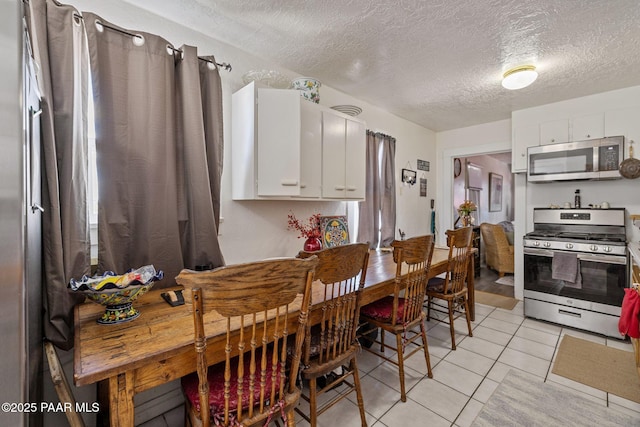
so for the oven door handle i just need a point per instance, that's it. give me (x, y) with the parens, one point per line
(539, 252)
(608, 259)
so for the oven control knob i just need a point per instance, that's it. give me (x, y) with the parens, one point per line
(593, 248)
(536, 243)
(607, 249)
(546, 244)
(569, 245)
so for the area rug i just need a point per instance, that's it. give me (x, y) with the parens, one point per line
(522, 399)
(495, 300)
(598, 366)
(505, 280)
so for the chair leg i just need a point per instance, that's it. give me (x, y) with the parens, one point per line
(291, 418)
(451, 326)
(313, 397)
(382, 334)
(468, 316)
(400, 352)
(423, 331)
(428, 308)
(356, 380)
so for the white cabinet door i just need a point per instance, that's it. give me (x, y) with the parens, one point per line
(554, 132)
(278, 148)
(524, 136)
(310, 151)
(625, 122)
(343, 157)
(356, 160)
(587, 127)
(333, 156)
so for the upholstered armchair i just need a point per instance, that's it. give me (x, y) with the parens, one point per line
(498, 251)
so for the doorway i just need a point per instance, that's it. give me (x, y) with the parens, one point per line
(455, 188)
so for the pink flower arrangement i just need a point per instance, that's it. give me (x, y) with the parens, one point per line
(309, 230)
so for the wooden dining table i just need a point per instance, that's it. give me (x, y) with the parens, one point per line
(157, 347)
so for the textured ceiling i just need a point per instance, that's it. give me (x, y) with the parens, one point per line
(437, 63)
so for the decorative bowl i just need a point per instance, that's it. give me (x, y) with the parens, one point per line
(309, 88)
(117, 293)
(269, 78)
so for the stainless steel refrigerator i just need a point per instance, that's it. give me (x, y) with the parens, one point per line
(20, 225)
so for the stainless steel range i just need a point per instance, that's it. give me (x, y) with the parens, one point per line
(576, 268)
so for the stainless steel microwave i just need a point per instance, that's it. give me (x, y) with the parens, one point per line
(591, 159)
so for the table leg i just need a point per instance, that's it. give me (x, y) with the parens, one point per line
(471, 289)
(121, 407)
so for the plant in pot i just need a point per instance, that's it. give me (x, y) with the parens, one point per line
(309, 230)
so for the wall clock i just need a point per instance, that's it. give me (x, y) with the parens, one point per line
(457, 167)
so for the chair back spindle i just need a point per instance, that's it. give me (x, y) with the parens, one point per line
(401, 313)
(452, 288)
(330, 340)
(260, 305)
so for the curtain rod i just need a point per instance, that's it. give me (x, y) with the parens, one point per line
(224, 65)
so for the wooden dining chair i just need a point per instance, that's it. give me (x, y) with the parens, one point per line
(401, 312)
(331, 343)
(260, 305)
(61, 386)
(448, 296)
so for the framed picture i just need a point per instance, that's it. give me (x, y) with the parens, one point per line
(335, 230)
(423, 165)
(474, 176)
(495, 192)
(423, 187)
(409, 176)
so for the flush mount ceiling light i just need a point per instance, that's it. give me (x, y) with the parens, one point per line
(519, 77)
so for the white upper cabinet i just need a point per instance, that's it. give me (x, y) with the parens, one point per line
(343, 157)
(279, 145)
(587, 127)
(625, 122)
(554, 131)
(524, 136)
(279, 137)
(310, 151)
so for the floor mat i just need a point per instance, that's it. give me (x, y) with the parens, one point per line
(598, 366)
(495, 300)
(522, 399)
(506, 280)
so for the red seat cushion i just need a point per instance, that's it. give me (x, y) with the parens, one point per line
(383, 308)
(215, 377)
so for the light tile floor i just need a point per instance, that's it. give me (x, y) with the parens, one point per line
(463, 380)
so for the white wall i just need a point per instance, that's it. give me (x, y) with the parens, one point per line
(258, 229)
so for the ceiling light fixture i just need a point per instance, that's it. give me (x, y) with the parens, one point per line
(519, 77)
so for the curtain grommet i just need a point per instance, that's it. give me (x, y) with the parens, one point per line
(138, 40)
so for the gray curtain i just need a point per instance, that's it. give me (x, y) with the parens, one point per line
(59, 48)
(157, 189)
(377, 214)
(388, 190)
(368, 210)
